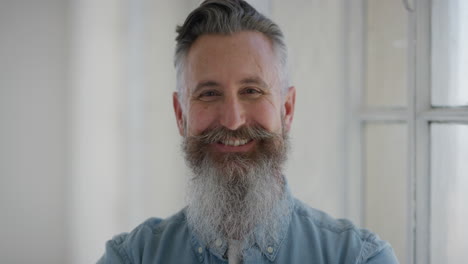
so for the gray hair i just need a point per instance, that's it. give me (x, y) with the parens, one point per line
(227, 17)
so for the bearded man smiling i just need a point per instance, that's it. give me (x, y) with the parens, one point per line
(234, 107)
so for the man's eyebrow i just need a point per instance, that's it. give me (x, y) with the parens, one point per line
(254, 80)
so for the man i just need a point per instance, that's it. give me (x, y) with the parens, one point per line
(234, 108)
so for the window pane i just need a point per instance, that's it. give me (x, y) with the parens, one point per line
(386, 187)
(387, 22)
(449, 193)
(449, 52)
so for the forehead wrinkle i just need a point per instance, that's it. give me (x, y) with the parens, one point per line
(253, 71)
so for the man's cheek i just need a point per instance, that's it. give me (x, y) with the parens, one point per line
(197, 124)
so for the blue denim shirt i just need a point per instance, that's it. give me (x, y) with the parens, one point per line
(310, 236)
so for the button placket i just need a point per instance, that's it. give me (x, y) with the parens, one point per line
(270, 250)
(218, 242)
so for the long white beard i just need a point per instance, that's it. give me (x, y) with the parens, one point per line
(219, 209)
(232, 201)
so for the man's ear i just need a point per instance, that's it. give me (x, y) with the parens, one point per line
(289, 103)
(178, 113)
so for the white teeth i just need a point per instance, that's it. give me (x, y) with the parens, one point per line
(235, 142)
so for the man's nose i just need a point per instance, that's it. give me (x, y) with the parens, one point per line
(232, 114)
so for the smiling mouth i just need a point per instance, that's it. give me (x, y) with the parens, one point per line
(235, 142)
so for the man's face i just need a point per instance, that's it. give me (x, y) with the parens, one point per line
(235, 125)
(232, 81)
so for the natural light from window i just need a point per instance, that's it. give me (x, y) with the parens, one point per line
(450, 53)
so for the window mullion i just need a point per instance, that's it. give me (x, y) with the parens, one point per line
(413, 129)
(445, 115)
(420, 155)
(354, 23)
(384, 115)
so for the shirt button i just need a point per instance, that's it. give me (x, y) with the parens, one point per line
(270, 250)
(218, 242)
(200, 250)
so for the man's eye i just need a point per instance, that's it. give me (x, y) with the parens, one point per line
(252, 91)
(208, 95)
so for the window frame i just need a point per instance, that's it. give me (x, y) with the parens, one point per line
(417, 115)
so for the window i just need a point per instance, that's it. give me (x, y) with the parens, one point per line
(408, 125)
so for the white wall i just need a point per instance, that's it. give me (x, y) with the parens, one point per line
(315, 34)
(33, 143)
(96, 190)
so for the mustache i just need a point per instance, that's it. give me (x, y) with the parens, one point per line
(221, 133)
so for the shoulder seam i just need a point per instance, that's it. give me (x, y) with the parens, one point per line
(370, 249)
(326, 226)
(162, 223)
(120, 251)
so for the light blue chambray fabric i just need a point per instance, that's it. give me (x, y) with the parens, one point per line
(307, 236)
